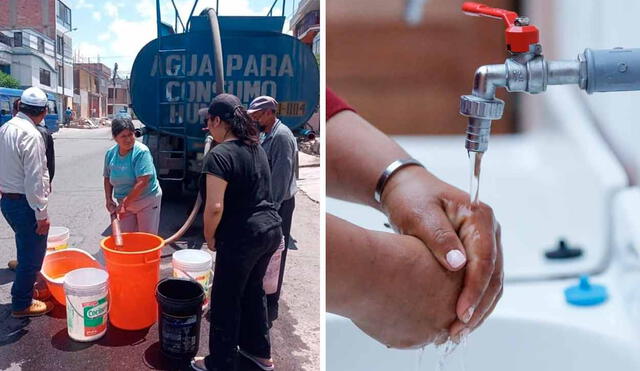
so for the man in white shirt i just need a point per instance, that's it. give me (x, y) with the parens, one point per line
(24, 188)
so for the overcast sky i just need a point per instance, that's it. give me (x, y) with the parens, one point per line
(116, 30)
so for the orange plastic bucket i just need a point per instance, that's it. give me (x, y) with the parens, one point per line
(134, 271)
(57, 264)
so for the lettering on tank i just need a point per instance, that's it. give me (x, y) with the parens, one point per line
(194, 86)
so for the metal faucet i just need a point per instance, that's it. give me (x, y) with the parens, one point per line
(606, 70)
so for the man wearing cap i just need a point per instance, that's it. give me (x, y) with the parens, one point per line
(24, 189)
(282, 152)
(50, 154)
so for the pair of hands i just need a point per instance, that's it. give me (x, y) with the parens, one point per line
(114, 208)
(439, 216)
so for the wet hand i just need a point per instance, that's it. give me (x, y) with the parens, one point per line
(42, 227)
(121, 208)
(458, 234)
(409, 299)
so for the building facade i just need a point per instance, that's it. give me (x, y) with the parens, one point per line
(36, 46)
(118, 99)
(305, 23)
(90, 89)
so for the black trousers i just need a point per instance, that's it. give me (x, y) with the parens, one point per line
(286, 213)
(238, 304)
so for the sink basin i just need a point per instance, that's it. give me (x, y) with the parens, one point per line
(501, 344)
(557, 181)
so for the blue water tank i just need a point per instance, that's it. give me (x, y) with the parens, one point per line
(174, 76)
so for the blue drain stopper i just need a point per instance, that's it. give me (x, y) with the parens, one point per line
(586, 294)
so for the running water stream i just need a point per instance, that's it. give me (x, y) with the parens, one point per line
(444, 351)
(443, 354)
(475, 161)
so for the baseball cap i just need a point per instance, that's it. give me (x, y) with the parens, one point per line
(34, 97)
(223, 105)
(263, 102)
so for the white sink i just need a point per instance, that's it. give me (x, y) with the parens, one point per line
(555, 182)
(501, 344)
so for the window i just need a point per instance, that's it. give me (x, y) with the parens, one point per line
(17, 39)
(64, 14)
(6, 40)
(40, 44)
(45, 77)
(110, 93)
(59, 73)
(51, 105)
(76, 81)
(5, 107)
(60, 44)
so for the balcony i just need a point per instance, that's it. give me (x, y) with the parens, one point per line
(6, 40)
(308, 27)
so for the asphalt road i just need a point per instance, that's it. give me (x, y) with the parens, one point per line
(77, 202)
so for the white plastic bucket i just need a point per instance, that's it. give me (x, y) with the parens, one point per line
(87, 303)
(58, 238)
(196, 265)
(272, 275)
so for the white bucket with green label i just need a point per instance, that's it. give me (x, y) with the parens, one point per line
(196, 265)
(86, 292)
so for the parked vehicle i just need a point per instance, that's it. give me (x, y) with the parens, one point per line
(122, 114)
(8, 96)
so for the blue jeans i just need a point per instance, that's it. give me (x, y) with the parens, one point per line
(31, 249)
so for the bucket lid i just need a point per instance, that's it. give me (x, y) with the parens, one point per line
(86, 278)
(192, 259)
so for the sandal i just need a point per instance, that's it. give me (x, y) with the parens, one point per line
(258, 361)
(37, 308)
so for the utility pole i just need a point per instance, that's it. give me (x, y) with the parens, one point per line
(113, 103)
(64, 100)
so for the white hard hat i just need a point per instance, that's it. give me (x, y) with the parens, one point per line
(34, 97)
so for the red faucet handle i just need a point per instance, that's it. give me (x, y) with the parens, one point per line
(518, 34)
(477, 9)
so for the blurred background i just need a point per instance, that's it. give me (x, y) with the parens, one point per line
(407, 79)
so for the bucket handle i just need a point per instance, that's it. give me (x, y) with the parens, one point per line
(193, 278)
(82, 316)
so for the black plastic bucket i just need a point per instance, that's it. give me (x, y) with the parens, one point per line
(179, 315)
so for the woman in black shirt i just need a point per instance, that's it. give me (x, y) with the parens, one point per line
(243, 226)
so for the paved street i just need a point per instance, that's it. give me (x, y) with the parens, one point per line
(77, 202)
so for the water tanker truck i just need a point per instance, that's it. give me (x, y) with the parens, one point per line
(178, 73)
